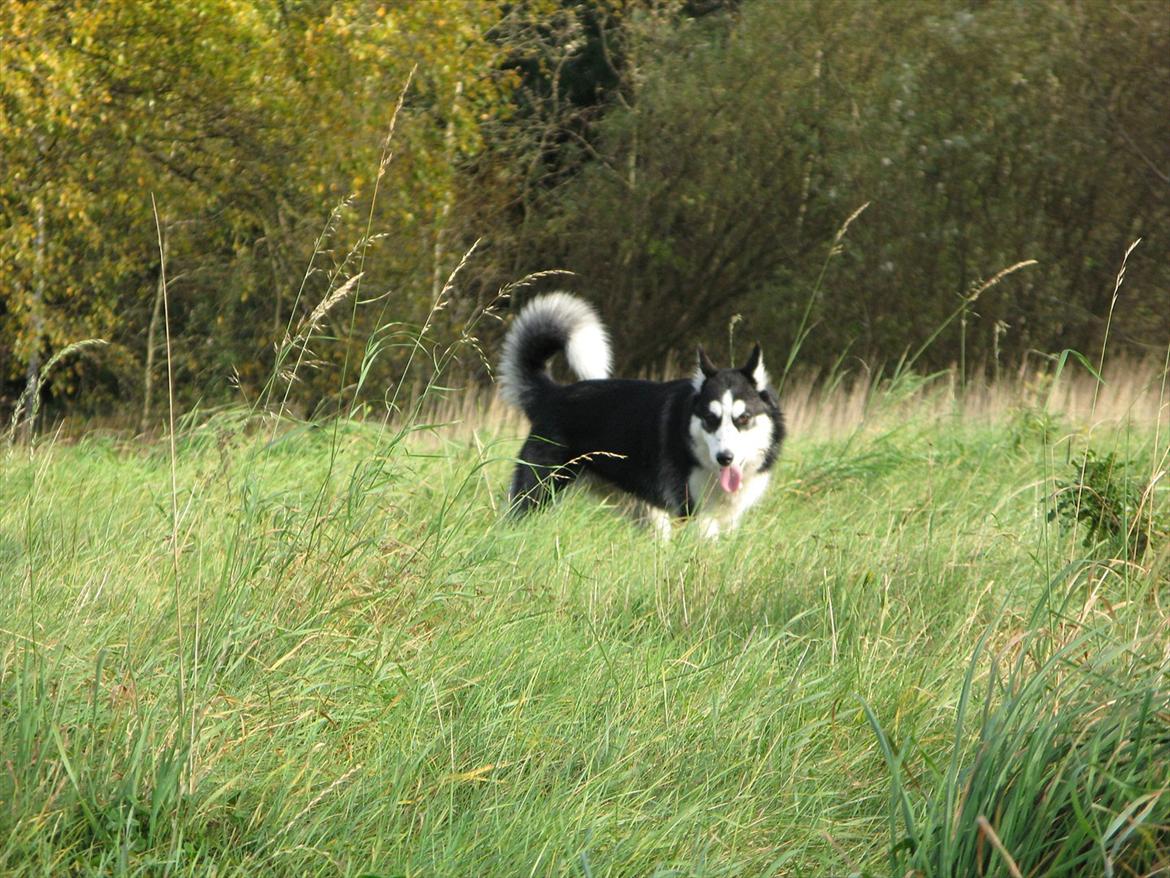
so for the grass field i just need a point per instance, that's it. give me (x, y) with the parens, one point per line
(323, 650)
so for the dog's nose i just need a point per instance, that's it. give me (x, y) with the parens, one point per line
(724, 458)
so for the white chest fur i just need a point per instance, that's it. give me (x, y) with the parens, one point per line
(718, 510)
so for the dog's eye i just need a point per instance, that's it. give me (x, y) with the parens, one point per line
(743, 420)
(711, 422)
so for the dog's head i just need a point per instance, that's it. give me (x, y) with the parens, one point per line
(734, 419)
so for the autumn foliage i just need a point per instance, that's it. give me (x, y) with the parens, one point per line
(688, 161)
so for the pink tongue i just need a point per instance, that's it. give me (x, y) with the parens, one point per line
(729, 478)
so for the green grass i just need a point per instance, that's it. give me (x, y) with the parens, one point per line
(353, 665)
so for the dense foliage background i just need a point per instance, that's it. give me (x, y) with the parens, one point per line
(688, 161)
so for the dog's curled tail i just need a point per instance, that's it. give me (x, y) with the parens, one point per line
(552, 323)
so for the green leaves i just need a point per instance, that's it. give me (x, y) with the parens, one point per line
(1113, 501)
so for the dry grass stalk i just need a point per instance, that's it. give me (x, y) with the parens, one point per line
(997, 277)
(313, 322)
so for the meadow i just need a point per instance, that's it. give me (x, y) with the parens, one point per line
(938, 647)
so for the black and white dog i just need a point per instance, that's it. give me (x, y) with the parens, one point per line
(701, 446)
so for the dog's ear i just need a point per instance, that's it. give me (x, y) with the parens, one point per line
(705, 365)
(754, 368)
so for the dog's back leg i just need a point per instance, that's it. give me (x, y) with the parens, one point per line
(543, 469)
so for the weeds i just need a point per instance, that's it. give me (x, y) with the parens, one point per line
(1115, 506)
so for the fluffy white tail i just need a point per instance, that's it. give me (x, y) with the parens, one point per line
(547, 325)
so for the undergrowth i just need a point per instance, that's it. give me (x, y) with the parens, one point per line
(1115, 502)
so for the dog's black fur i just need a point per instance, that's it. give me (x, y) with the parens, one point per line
(636, 435)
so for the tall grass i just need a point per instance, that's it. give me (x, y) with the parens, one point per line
(1067, 772)
(394, 680)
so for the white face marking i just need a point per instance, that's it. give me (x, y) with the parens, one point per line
(747, 446)
(723, 439)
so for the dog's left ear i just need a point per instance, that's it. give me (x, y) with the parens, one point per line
(706, 367)
(754, 368)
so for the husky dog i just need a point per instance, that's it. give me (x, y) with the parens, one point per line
(701, 446)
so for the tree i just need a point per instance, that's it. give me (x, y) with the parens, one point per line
(254, 125)
(981, 135)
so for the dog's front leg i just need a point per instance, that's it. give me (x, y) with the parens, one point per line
(659, 519)
(709, 527)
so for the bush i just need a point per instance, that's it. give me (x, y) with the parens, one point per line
(1115, 506)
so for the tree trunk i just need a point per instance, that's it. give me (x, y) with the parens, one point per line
(148, 372)
(448, 197)
(37, 319)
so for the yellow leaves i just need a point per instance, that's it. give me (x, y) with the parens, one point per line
(198, 101)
